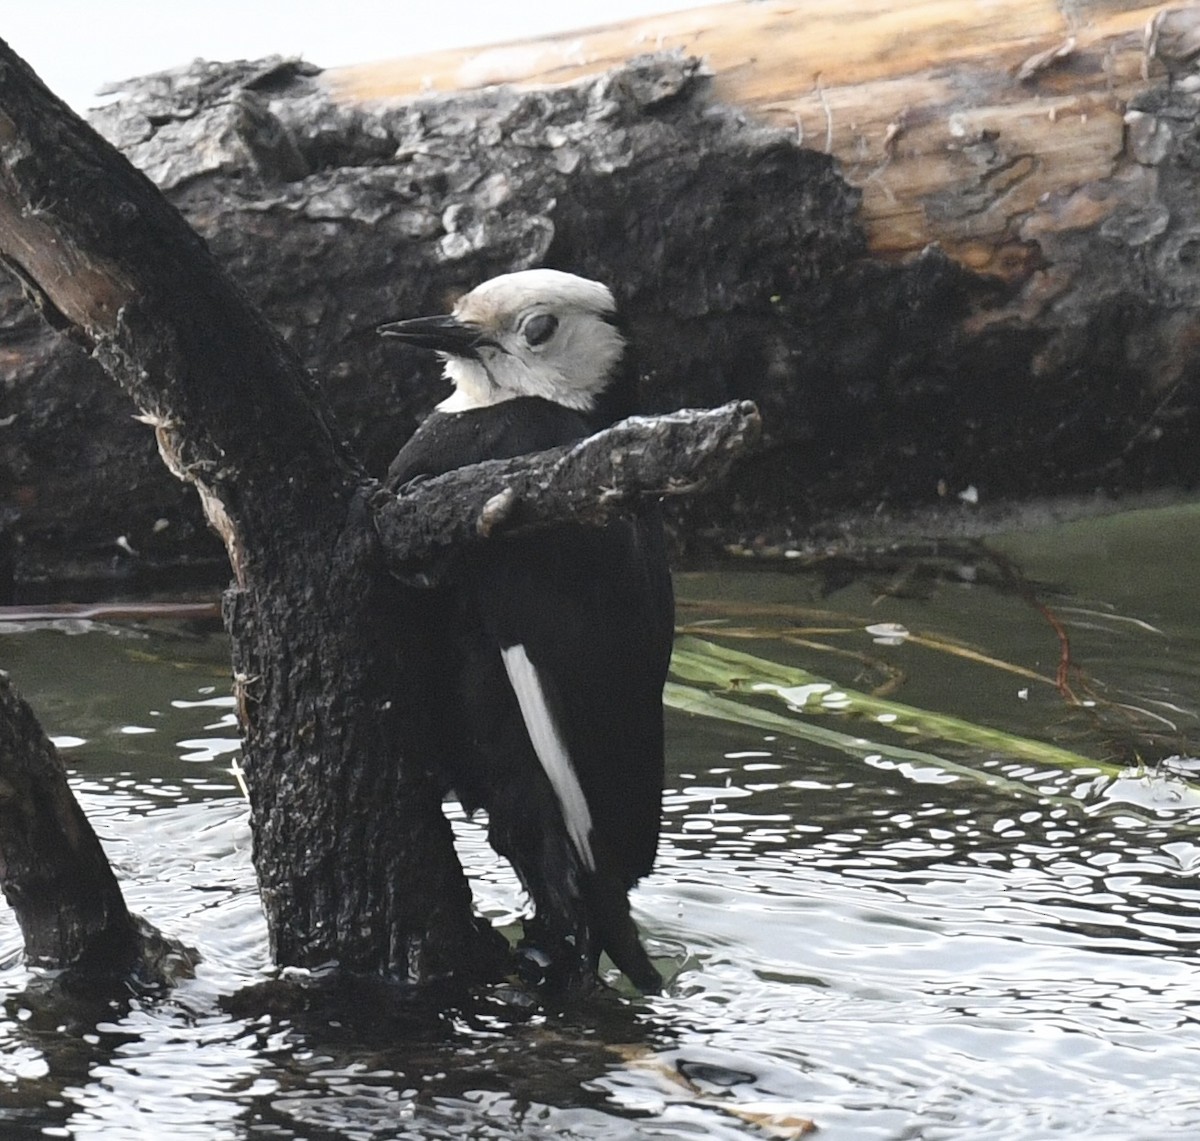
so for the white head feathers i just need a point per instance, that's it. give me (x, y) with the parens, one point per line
(539, 332)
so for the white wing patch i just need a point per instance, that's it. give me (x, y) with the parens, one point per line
(550, 750)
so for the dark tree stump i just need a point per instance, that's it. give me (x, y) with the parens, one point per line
(53, 871)
(354, 857)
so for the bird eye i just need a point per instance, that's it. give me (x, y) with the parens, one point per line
(540, 328)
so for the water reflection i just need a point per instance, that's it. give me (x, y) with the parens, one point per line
(945, 959)
(990, 949)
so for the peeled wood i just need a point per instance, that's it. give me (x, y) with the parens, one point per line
(954, 118)
(1047, 151)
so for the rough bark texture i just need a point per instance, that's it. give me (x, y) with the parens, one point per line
(337, 218)
(353, 855)
(590, 482)
(53, 871)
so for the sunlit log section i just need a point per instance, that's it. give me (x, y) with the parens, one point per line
(963, 123)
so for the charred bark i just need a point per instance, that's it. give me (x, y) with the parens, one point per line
(951, 261)
(591, 482)
(353, 855)
(336, 218)
(53, 871)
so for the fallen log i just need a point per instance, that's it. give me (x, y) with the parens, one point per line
(955, 122)
(946, 249)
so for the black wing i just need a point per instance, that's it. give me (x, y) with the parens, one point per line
(593, 609)
(449, 440)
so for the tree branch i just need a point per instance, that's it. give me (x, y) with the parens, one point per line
(354, 856)
(103, 254)
(590, 482)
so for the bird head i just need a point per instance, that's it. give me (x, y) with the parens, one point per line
(539, 332)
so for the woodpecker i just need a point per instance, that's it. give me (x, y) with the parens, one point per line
(548, 652)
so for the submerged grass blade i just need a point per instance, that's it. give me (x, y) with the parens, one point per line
(689, 699)
(718, 667)
(942, 646)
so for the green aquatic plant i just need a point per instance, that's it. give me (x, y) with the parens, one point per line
(730, 685)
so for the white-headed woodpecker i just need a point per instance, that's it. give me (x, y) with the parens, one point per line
(548, 652)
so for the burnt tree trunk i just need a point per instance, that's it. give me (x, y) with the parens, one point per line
(353, 854)
(53, 871)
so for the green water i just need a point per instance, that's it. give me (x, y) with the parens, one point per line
(981, 950)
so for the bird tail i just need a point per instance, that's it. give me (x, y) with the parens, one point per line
(614, 931)
(578, 917)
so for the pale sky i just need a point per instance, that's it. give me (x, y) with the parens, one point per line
(77, 46)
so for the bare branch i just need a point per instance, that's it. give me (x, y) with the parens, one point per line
(590, 482)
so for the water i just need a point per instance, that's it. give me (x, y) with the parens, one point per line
(892, 951)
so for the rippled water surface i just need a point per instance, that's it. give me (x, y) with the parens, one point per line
(993, 948)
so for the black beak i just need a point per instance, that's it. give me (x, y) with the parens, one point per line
(441, 334)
